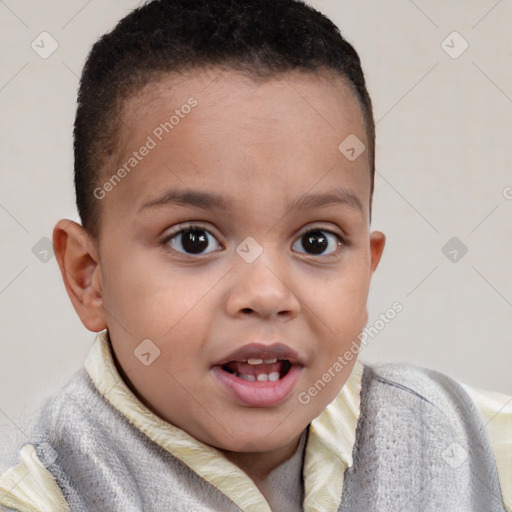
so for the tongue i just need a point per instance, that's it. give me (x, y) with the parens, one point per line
(254, 369)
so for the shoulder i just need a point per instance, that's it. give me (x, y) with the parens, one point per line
(403, 381)
(74, 396)
(467, 408)
(496, 412)
(462, 405)
(28, 484)
(425, 383)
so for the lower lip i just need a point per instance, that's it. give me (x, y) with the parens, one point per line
(258, 394)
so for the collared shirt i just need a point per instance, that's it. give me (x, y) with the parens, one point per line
(316, 470)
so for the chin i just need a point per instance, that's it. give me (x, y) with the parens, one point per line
(258, 439)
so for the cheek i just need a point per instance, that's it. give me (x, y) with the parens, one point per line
(146, 291)
(342, 303)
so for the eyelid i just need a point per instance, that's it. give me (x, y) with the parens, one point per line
(189, 225)
(321, 227)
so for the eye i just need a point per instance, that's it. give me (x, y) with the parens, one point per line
(319, 241)
(192, 239)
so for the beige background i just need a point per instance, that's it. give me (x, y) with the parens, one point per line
(444, 129)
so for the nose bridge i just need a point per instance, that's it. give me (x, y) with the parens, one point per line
(261, 286)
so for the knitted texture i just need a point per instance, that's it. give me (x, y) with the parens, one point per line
(420, 446)
(103, 463)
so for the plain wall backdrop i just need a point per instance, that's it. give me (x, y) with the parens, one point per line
(440, 76)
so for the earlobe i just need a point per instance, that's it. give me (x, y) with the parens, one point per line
(377, 242)
(78, 260)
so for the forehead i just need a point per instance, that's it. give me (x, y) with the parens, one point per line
(327, 95)
(224, 130)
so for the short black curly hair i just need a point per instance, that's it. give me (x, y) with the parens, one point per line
(262, 37)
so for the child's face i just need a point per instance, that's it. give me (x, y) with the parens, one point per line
(200, 297)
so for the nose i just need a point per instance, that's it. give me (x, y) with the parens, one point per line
(261, 291)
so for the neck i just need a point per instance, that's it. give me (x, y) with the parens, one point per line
(258, 465)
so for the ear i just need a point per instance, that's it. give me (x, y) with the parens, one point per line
(77, 255)
(377, 242)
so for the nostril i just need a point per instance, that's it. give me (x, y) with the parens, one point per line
(247, 310)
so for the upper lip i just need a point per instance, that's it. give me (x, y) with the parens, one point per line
(261, 351)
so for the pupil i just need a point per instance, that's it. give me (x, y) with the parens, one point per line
(316, 240)
(194, 242)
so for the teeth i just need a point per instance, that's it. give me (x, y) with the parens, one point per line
(261, 361)
(262, 377)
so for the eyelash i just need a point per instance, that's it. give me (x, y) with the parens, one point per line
(201, 227)
(182, 229)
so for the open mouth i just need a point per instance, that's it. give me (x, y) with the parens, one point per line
(257, 375)
(259, 370)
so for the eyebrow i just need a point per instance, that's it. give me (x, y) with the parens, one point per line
(205, 200)
(337, 196)
(212, 201)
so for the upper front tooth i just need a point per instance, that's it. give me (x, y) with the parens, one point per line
(270, 361)
(255, 361)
